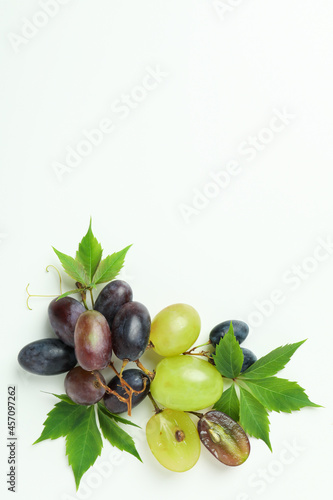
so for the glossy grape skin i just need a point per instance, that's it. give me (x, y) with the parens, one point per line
(130, 331)
(83, 387)
(224, 438)
(241, 331)
(47, 357)
(175, 329)
(113, 296)
(186, 383)
(92, 337)
(135, 378)
(63, 315)
(173, 439)
(249, 359)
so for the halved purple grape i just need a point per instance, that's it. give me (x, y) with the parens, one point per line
(224, 438)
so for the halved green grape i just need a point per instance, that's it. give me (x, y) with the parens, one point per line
(224, 438)
(175, 329)
(186, 383)
(173, 440)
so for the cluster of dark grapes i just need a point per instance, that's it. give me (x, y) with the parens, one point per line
(88, 337)
(181, 382)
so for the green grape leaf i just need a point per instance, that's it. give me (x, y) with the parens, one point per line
(272, 362)
(114, 434)
(229, 356)
(83, 443)
(109, 267)
(89, 253)
(253, 417)
(117, 418)
(70, 292)
(229, 403)
(73, 268)
(62, 397)
(60, 420)
(278, 394)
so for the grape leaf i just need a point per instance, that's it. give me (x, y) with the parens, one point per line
(114, 434)
(60, 420)
(89, 253)
(278, 394)
(109, 267)
(73, 268)
(63, 397)
(229, 356)
(83, 443)
(272, 362)
(229, 403)
(117, 418)
(253, 417)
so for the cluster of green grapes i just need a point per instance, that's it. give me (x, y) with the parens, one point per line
(182, 383)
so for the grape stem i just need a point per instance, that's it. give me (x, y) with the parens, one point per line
(201, 345)
(201, 353)
(125, 385)
(125, 361)
(155, 405)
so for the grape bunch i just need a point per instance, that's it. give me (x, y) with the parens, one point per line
(182, 384)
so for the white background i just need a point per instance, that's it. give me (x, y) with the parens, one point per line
(228, 69)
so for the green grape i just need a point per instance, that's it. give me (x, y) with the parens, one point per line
(186, 383)
(173, 440)
(175, 329)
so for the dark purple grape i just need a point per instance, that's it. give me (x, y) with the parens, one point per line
(92, 337)
(63, 315)
(83, 387)
(130, 331)
(135, 378)
(224, 438)
(249, 359)
(47, 357)
(113, 296)
(241, 331)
